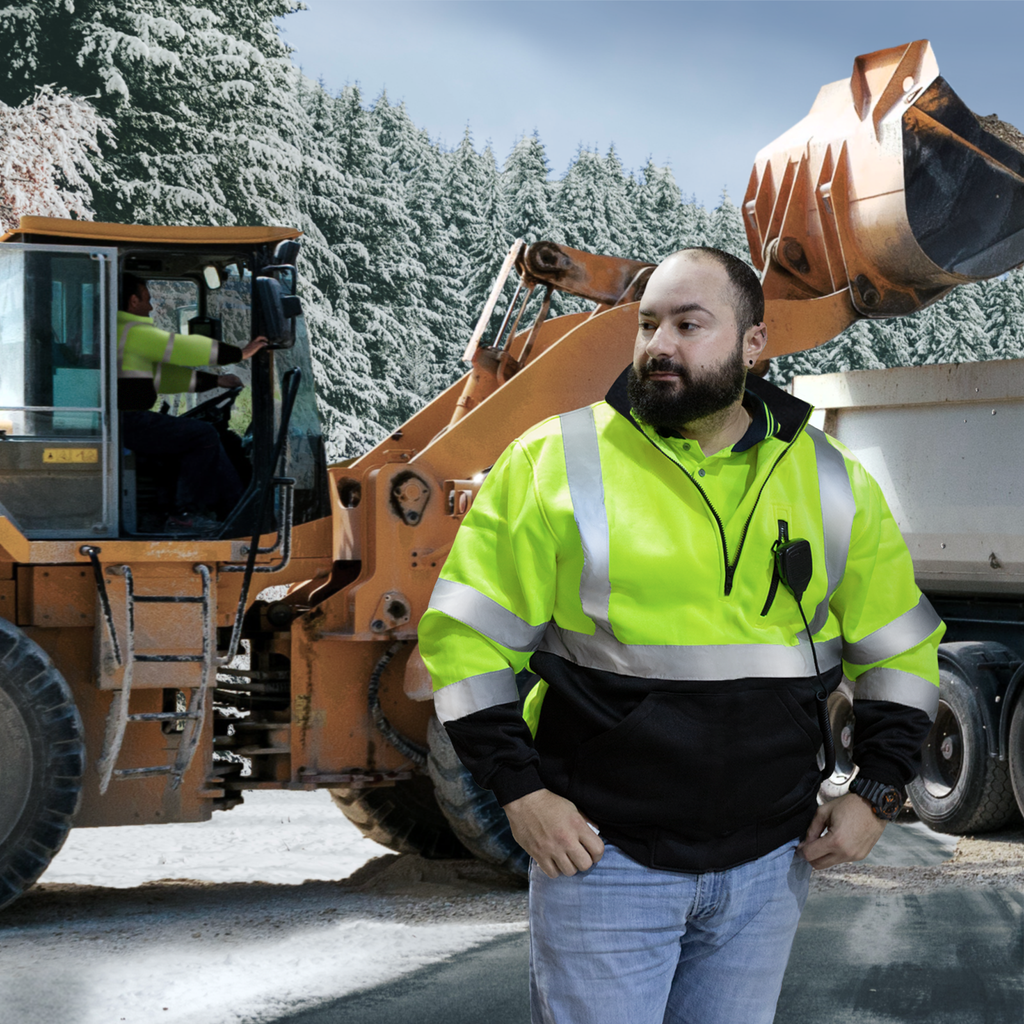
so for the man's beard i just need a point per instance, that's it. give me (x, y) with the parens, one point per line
(666, 405)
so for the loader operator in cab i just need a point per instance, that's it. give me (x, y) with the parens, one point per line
(154, 362)
(662, 773)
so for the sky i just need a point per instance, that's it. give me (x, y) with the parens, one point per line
(700, 86)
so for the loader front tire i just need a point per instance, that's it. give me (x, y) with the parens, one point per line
(474, 813)
(42, 758)
(404, 817)
(961, 789)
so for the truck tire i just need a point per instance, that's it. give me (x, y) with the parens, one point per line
(961, 789)
(474, 814)
(42, 757)
(404, 817)
(1015, 752)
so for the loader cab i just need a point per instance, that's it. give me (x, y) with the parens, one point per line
(64, 472)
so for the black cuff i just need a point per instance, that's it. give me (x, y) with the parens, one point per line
(510, 784)
(496, 746)
(887, 741)
(205, 381)
(228, 354)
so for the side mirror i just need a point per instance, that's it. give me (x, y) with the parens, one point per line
(274, 312)
(286, 251)
(212, 277)
(285, 276)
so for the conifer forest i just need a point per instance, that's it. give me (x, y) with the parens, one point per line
(197, 113)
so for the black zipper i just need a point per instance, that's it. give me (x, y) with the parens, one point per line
(730, 567)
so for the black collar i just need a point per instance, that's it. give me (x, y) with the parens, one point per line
(788, 412)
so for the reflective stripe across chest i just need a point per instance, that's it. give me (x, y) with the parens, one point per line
(585, 479)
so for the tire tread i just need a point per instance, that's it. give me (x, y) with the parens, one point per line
(31, 679)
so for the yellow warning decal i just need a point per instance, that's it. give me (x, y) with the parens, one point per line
(70, 455)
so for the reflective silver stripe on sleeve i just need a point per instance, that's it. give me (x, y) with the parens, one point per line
(215, 353)
(898, 636)
(710, 662)
(586, 489)
(122, 344)
(475, 693)
(469, 606)
(169, 348)
(157, 375)
(837, 509)
(900, 687)
(192, 383)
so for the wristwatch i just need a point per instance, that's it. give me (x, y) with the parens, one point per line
(885, 800)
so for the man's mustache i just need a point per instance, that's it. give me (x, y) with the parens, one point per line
(662, 364)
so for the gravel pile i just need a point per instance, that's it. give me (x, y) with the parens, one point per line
(993, 860)
(1002, 130)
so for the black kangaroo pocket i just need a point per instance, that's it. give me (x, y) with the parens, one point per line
(706, 763)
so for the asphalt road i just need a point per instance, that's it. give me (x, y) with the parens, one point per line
(949, 957)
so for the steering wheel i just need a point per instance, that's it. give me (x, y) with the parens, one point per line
(216, 410)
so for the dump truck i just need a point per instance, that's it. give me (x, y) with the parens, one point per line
(150, 677)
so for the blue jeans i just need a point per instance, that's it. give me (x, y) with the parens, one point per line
(627, 944)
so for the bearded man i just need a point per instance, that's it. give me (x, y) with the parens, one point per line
(688, 568)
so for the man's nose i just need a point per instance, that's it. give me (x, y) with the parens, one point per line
(658, 344)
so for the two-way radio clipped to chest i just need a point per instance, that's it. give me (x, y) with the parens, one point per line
(794, 568)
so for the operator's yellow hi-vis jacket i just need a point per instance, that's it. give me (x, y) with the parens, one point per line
(636, 577)
(152, 361)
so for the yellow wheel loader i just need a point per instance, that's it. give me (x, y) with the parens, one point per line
(149, 677)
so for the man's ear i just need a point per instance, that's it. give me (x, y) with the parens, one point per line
(754, 340)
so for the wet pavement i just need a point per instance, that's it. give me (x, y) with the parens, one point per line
(953, 956)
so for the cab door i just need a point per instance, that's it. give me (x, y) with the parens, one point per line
(58, 434)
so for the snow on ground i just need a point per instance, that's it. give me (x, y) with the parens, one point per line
(275, 836)
(240, 919)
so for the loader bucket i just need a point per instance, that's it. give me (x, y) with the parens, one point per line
(964, 185)
(887, 195)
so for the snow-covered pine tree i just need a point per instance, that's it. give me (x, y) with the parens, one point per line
(657, 206)
(527, 194)
(694, 224)
(623, 228)
(956, 329)
(47, 147)
(1005, 315)
(854, 349)
(345, 386)
(204, 99)
(402, 325)
(490, 244)
(580, 209)
(726, 229)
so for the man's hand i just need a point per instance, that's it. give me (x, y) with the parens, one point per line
(229, 380)
(550, 829)
(853, 829)
(253, 347)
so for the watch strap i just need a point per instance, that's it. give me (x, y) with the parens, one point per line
(886, 800)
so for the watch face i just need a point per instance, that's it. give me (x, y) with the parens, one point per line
(890, 803)
(885, 800)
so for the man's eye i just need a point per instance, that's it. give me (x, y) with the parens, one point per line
(646, 325)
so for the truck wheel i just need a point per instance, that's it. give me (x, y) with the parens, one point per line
(404, 817)
(42, 758)
(1016, 752)
(474, 814)
(960, 788)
